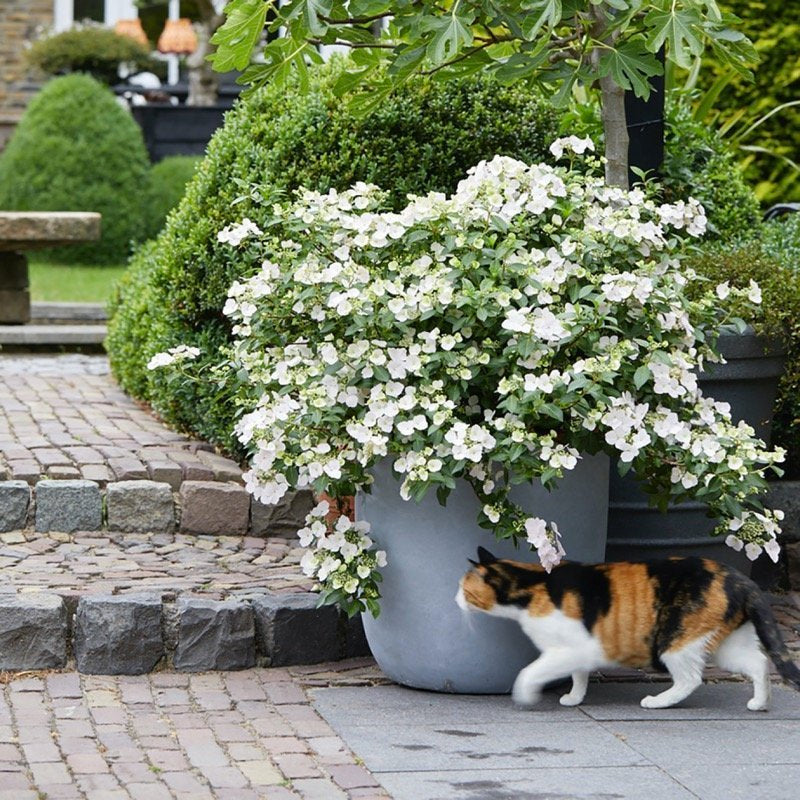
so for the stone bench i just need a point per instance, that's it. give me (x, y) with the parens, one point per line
(30, 230)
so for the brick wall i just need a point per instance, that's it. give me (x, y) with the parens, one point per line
(19, 21)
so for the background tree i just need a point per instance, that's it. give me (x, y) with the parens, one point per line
(557, 43)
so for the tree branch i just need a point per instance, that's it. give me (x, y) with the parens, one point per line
(365, 20)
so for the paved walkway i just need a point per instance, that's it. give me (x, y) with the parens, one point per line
(105, 562)
(249, 735)
(64, 417)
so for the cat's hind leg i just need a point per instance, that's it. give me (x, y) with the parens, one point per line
(740, 652)
(685, 665)
(580, 680)
(552, 664)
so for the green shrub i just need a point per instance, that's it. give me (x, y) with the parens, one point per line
(77, 149)
(700, 163)
(424, 138)
(780, 287)
(780, 239)
(168, 181)
(94, 50)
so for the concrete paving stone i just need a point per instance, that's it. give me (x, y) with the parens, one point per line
(224, 469)
(85, 455)
(214, 635)
(33, 632)
(60, 473)
(72, 505)
(99, 473)
(25, 470)
(140, 506)
(118, 635)
(214, 508)
(750, 741)
(291, 629)
(15, 499)
(165, 471)
(480, 783)
(51, 456)
(740, 781)
(193, 468)
(319, 789)
(128, 469)
(728, 700)
(283, 519)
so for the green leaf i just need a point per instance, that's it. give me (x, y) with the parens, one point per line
(641, 376)
(238, 35)
(679, 27)
(550, 15)
(452, 34)
(630, 66)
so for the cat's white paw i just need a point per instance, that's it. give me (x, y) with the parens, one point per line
(524, 694)
(755, 705)
(653, 701)
(570, 699)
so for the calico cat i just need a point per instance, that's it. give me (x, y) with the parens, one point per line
(669, 614)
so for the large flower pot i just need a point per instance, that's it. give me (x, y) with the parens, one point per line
(422, 638)
(636, 530)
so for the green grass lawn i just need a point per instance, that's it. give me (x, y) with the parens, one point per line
(75, 283)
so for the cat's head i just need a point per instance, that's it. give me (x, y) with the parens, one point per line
(477, 589)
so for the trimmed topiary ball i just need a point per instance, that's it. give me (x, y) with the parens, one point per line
(77, 149)
(168, 181)
(423, 138)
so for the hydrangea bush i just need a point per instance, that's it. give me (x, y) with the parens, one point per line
(495, 335)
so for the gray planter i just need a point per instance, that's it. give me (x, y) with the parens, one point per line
(636, 530)
(421, 637)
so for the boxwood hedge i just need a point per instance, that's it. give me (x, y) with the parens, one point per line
(424, 138)
(77, 149)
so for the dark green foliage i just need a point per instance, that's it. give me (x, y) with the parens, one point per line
(77, 149)
(780, 286)
(699, 163)
(424, 138)
(168, 181)
(97, 51)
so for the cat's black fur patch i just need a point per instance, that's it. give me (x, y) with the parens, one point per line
(589, 583)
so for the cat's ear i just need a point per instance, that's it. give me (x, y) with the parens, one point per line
(473, 562)
(485, 557)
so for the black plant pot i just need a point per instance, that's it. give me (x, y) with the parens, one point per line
(636, 530)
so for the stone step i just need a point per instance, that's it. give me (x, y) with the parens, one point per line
(48, 312)
(53, 337)
(214, 507)
(127, 603)
(132, 634)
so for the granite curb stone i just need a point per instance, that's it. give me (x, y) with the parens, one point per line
(214, 635)
(214, 508)
(15, 498)
(292, 629)
(118, 634)
(134, 506)
(68, 506)
(33, 632)
(284, 518)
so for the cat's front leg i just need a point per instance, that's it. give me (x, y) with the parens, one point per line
(580, 681)
(550, 666)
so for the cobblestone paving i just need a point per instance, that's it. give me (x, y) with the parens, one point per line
(249, 735)
(217, 567)
(64, 417)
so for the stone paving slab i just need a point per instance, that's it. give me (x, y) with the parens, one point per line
(426, 746)
(248, 735)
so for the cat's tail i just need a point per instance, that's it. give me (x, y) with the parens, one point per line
(760, 614)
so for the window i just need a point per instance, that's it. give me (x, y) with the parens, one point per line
(89, 9)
